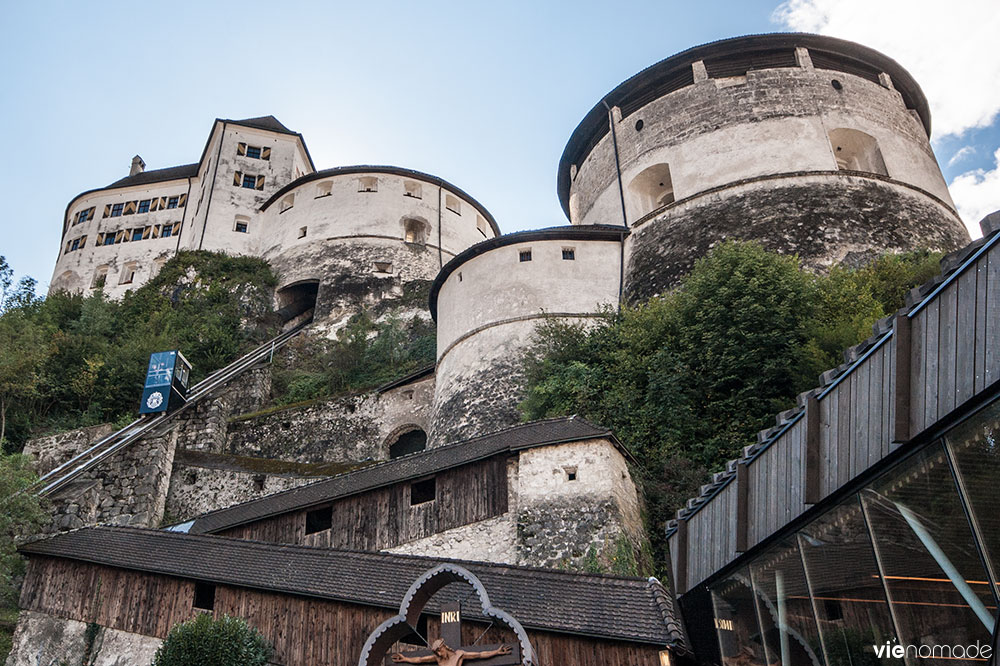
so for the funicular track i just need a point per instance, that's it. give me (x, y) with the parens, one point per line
(147, 426)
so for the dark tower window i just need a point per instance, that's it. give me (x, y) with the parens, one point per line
(422, 492)
(409, 442)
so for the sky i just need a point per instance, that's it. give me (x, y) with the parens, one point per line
(484, 95)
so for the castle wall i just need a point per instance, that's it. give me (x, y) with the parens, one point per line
(826, 219)
(488, 308)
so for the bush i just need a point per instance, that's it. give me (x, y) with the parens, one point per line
(204, 641)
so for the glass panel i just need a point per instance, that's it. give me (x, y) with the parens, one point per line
(736, 621)
(936, 584)
(846, 586)
(786, 613)
(975, 445)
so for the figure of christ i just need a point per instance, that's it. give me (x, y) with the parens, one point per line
(445, 656)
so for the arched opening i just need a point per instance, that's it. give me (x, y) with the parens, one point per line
(650, 190)
(415, 231)
(409, 441)
(297, 299)
(856, 151)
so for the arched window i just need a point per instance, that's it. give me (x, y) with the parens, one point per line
(415, 231)
(856, 151)
(650, 190)
(410, 441)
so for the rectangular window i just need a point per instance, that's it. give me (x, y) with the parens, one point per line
(116, 210)
(144, 206)
(128, 273)
(249, 182)
(100, 277)
(482, 226)
(318, 520)
(412, 189)
(109, 238)
(324, 189)
(422, 492)
(172, 202)
(241, 227)
(452, 203)
(286, 203)
(368, 184)
(204, 596)
(137, 234)
(524, 255)
(383, 267)
(302, 231)
(253, 152)
(568, 254)
(75, 245)
(167, 231)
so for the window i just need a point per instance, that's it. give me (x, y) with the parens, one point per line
(75, 245)
(166, 231)
(137, 234)
(650, 190)
(452, 203)
(324, 189)
(482, 226)
(422, 492)
(287, 203)
(412, 189)
(383, 267)
(204, 596)
(857, 151)
(409, 442)
(525, 255)
(318, 520)
(109, 238)
(253, 152)
(130, 207)
(241, 227)
(172, 202)
(249, 182)
(568, 254)
(368, 184)
(414, 231)
(128, 273)
(302, 231)
(570, 473)
(84, 215)
(143, 206)
(116, 210)
(100, 277)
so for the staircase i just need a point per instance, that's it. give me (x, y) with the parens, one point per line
(150, 425)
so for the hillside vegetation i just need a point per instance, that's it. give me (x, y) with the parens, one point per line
(688, 379)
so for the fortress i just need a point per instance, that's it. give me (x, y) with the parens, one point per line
(807, 144)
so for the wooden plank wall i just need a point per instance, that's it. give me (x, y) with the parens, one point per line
(954, 356)
(304, 631)
(383, 518)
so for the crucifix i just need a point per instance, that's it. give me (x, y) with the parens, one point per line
(449, 651)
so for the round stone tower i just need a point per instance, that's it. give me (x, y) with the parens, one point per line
(808, 144)
(487, 302)
(344, 238)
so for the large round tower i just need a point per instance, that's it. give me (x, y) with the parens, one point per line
(350, 237)
(487, 302)
(809, 144)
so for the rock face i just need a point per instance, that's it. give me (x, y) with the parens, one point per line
(44, 640)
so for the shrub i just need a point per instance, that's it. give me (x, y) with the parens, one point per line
(204, 641)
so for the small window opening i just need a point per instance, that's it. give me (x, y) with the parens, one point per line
(324, 189)
(253, 152)
(651, 189)
(407, 395)
(638, 125)
(409, 442)
(482, 226)
(460, 276)
(422, 492)
(318, 520)
(857, 151)
(249, 182)
(569, 254)
(287, 203)
(383, 267)
(525, 255)
(143, 206)
(570, 473)
(258, 483)
(100, 277)
(302, 231)
(204, 596)
(414, 232)
(412, 189)
(368, 184)
(242, 224)
(128, 273)
(452, 203)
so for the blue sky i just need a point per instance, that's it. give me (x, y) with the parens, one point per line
(482, 94)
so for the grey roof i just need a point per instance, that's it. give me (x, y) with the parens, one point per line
(628, 609)
(431, 461)
(157, 176)
(269, 123)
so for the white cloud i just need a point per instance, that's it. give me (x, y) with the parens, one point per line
(977, 194)
(949, 48)
(964, 152)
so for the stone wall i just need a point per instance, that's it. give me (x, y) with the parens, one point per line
(51, 451)
(204, 427)
(44, 640)
(824, 219)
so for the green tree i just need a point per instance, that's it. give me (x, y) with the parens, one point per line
(204, 641)
(24, 348)
(21, 515)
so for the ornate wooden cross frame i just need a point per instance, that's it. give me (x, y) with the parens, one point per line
(375, 651)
